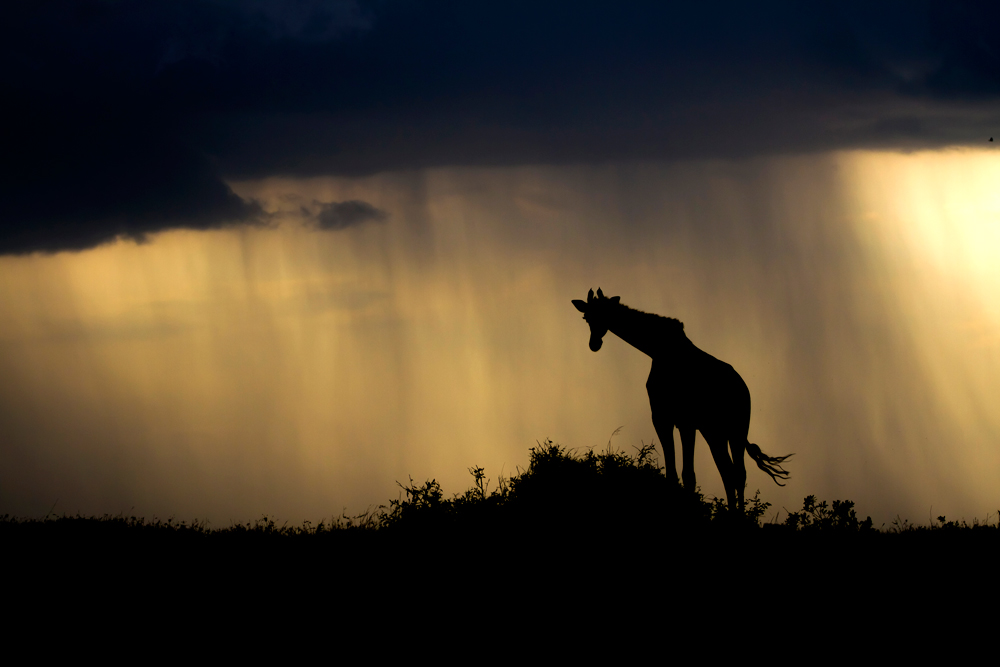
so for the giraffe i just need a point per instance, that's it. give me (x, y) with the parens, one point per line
(689, 389)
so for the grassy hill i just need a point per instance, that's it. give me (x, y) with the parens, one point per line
(574, 537)
(609, 500)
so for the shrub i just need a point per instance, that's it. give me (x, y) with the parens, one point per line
(841, 517)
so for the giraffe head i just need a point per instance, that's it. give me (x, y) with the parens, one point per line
(598, 312)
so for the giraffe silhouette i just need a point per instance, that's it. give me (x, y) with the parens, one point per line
(689, 389)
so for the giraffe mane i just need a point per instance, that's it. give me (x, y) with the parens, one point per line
(668, 325)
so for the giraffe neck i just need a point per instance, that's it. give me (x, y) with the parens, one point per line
(653, 335)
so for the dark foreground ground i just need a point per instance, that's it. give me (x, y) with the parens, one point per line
(594, 541)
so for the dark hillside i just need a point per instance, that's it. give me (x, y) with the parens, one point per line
(572, 533)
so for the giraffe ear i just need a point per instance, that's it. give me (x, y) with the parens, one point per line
(580, 305)
(615, 299)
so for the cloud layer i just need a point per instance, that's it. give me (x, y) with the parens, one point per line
(127, 118)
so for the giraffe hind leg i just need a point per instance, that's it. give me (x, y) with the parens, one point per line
(720, 452)
(687, 450)
(738, 446)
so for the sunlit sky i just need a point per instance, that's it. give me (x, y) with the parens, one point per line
(299, 373)
(271, 258)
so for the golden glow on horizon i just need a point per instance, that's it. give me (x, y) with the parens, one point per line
(297, 373)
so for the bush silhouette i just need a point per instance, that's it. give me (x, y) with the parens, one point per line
(816, 517)
(559, 491)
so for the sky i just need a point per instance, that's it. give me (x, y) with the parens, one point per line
(271, 258)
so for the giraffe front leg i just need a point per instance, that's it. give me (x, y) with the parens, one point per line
(665, 431)
(687, 450)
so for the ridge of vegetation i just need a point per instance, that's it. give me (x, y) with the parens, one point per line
(560, 492)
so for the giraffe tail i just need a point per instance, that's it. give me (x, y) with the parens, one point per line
(769, 464)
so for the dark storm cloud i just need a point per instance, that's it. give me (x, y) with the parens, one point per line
(79, 186)
(124, 117)
(341, 215)
(99, 105)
